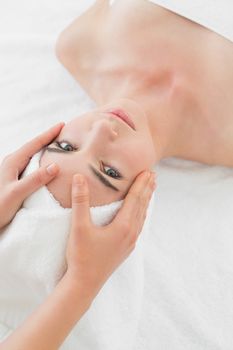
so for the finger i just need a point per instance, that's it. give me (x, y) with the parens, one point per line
(133, 198)
(22, 156)
(80, 203)
(141, 210)
(144, 207)
(31, 183)
(146, 196)
(140, 217)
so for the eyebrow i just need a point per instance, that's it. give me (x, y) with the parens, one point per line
(98, 174)
(102, 179)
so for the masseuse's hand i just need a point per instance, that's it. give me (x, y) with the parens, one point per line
(93, 253)
(14, 190)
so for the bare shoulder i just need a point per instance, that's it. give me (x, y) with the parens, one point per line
(76, 43)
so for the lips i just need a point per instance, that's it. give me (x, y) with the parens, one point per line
(120, 113)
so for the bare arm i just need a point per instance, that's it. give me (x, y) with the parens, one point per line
(50, 324)
(103, 248)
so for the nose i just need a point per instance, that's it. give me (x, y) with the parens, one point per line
(101, 133)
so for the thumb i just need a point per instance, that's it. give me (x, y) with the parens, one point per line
(31, 183)
(80, 202)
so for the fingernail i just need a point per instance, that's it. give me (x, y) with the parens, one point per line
(52, 169)
(61, 123)
(78, 180)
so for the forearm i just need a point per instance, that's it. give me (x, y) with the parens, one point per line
(51, 323)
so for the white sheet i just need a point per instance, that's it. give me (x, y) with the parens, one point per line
(204, 12)
(188, 296)
(32, 261)
(213, 14)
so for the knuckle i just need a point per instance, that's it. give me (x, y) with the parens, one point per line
(134, 195)
(13, 192)
(38, 178)
(40, 142)
(80, 197)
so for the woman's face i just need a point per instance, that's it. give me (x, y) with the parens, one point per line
(105, 149)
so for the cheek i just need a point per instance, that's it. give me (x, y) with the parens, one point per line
(139, 155)
(60, 187)
(65, 163)
(146, 152)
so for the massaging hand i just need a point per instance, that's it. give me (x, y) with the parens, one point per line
(93, 253)
(14, 190)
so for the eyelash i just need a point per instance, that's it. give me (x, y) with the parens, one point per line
(58, 144)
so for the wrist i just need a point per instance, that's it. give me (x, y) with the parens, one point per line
(75, 291)
(50, 324)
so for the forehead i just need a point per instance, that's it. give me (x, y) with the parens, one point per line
(75, 122)
(72, 128)
(82, 120)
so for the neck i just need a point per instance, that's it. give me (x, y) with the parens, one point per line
(158, 106)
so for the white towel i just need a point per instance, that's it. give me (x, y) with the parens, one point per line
(32, 261)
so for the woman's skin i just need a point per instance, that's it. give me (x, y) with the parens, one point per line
(172, 75)
(103, 247)
(178, 90)
(180, 87)
(97, 140)
(13, 190)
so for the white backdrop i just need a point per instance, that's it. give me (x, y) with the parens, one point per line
(188, 303)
